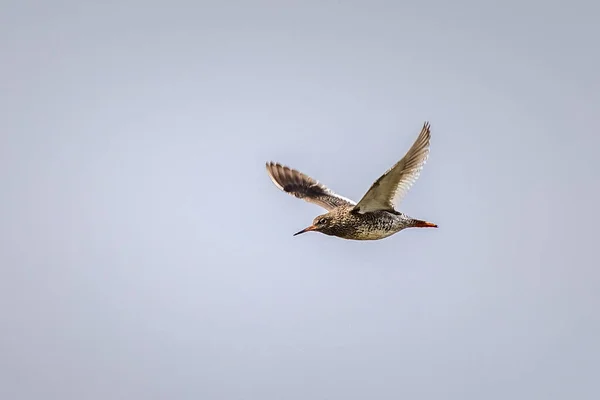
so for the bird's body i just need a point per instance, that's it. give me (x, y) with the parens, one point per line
(374, 216)
(373, 225)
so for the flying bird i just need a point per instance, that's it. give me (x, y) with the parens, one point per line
(374, 216)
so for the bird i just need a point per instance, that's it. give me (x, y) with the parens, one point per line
(374, 217)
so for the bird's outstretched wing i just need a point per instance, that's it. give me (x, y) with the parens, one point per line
(304, 187)
(392, 186)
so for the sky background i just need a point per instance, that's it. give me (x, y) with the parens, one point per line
(145, 254)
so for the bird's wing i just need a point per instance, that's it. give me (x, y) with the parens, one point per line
(392, 186)
(304, 187)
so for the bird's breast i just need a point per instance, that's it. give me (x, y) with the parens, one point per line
(369, 226)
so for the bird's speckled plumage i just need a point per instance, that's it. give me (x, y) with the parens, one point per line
(374, 216)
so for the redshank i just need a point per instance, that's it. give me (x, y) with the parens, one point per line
(374, 216)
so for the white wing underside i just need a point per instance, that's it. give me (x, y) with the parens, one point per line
(392, 186)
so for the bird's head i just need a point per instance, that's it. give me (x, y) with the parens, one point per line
(322, 223)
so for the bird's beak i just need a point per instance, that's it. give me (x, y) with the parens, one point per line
(310, 228)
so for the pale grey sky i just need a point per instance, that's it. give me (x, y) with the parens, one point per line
(145, 254)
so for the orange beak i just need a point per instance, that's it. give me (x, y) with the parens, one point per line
(310, 228)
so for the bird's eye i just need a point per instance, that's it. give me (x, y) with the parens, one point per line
(321, 221)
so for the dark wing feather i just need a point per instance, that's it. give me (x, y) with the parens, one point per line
(304, 187)
(392, 186)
